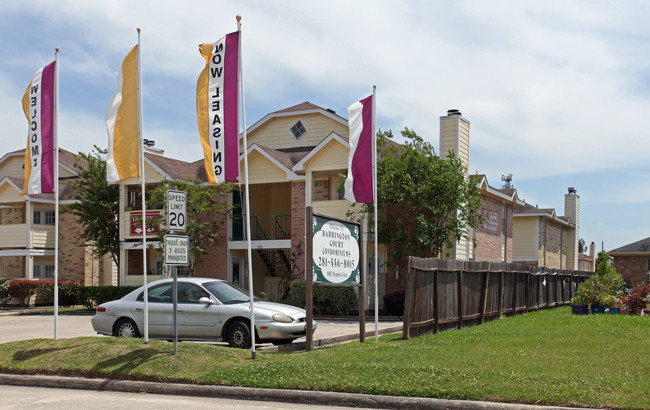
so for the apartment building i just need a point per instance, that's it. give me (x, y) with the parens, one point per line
(27, 230)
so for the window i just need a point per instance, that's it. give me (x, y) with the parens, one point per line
(189, 293)
(298, 130)
(160, 294)
(182, 270)
(44, 216)
(43, 271)
(338, 193)
(49, 217)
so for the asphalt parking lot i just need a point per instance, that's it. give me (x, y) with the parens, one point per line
(24, 327)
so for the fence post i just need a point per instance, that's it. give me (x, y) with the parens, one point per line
(514, 293)
(407, 299)
(436, 301)
(527, 293)
(460, 299)
(500, 292)
(546, 290)
(486, 280)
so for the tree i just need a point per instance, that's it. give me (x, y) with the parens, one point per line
(207, 208)
(425, 202)
(97, 204)
(611, 280)
(582, 246)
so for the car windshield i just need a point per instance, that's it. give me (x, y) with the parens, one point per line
(227, 293)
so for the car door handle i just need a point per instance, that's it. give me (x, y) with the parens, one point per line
(138, 309)
(179, 310)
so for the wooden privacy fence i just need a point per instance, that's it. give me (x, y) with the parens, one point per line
(449, 294)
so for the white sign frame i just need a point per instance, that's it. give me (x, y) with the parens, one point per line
(176, 211)
(177, 250)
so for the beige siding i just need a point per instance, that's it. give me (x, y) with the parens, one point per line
(65, 173)
(262, 171)
(524, 234)
(13, 236)
(9, 194)
(334, 209)
(271, 198)
(276, 133)
(332, 156)
(151, 174)
(454, 136)
(43, 236)
(463, 146)
(13, 167)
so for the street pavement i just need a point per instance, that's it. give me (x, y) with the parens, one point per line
(44, 398)
(20, 324)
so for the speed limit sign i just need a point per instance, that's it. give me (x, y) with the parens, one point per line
(176, 210)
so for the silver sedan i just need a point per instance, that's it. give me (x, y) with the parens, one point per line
(208, 309)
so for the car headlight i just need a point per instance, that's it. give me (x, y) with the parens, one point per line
(278, 317)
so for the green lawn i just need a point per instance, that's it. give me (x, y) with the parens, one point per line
(546, 357)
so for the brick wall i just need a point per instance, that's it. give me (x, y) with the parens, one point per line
(634, 269)
(298, 227)
(553, 245)
(489, 242)
(72, 257)
(215, 263)
(13, 215)
(321, 190)
(12, 267)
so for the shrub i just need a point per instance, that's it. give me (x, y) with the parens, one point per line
(23, 290)
(91, 296)
(328, 300)
(394, 303)
(4, 291)
(598, 289)
(634, 301)
(68, 292)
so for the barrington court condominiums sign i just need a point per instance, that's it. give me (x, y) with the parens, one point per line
(335, 252)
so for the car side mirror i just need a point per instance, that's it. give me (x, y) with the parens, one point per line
(205, 301)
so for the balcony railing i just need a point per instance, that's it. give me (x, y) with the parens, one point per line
(264, 226)
(15, 236)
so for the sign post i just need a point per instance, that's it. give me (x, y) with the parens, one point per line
(177, 251)
(177, 247)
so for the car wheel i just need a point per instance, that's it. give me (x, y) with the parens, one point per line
(282, 342)
(126, 328)
(239, 335)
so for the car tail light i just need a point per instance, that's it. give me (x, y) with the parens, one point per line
(100, 309)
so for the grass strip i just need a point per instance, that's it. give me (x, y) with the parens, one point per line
(547, 357)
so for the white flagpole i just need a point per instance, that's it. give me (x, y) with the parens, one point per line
(55, 135)
(251, 295)
(374, 195)
(144, 212)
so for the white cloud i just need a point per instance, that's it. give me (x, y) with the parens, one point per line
(551, 88)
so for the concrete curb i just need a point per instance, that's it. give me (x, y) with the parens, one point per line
(248, 393)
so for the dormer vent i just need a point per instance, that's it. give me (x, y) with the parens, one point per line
(298, 130)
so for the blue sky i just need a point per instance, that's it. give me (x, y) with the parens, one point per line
(557, 92)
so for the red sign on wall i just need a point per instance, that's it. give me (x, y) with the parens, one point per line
(135, 223)
(491, 222)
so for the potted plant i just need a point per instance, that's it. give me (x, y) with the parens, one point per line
(634, 302)
(579, 305)
(597, 303)
(610, 302)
